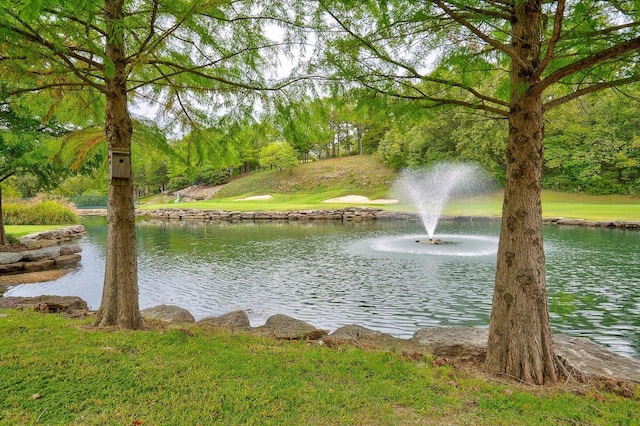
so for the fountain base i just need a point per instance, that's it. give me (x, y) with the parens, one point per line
(430, 241)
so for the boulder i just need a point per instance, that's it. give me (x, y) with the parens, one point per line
(43, 253)
(356, 332)
(362, 336)
(464, 342)
(589, 359)
(38, 265)
(236, 320)
(70, 249)
(581, 357)
(9, 257)
(284, 327)
(46, 303)
(167, 313)
(11, 267)
(67, 259)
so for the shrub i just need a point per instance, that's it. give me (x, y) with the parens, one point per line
(212, 177)
(12, 239)
(177, 183)
(39, 212)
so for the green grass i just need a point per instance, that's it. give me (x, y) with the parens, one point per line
(364, 174)
(22, 230)
(58, 371)
(312, 183)
(586, 207)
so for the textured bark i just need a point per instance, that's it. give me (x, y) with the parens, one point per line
(119, 306)
(3, 235)
(520, 341)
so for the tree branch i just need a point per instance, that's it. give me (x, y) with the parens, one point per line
(587, 62)
(553, 41)
(590, 89)
(508, 50)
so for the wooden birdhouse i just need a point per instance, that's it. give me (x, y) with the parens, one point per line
(120, 165)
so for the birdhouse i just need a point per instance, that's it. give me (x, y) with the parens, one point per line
(120, 165)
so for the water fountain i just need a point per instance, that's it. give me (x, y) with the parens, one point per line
(429, 190)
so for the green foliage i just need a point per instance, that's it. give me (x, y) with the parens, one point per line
(594, 146)
(177, 183)
(212, 176)
(197, 375)
(39, 212)
(280, 155)
(12, 239)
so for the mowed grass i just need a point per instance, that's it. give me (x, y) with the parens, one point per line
(22, 230)
(59, 371)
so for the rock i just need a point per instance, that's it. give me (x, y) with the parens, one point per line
(67, 259)
(69, 304)
(284, 327)
(9, 257)
(236, 320)
(167, 313)
(11, 267)
(364, 337)
(38, 265)
(43, 253)
(582, 357)
(465, 342)
(70, 249)
(589, 359)
(355, 332)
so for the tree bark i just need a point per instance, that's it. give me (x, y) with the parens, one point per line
(119, 306)
(3, 235)
(520, 340)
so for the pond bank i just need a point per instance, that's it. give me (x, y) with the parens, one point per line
(43, 251)
(345, 214)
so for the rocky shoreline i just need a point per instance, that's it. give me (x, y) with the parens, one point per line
(43, 250)
(582, 359)
(345, 214)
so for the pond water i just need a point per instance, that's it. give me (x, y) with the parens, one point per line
(374, 274)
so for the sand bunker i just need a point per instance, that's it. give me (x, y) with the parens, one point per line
(359, 199)
(256, 197)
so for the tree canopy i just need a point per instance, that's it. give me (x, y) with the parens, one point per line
(515, 59)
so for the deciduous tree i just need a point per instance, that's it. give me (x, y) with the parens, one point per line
(184, 57)
(515, 59)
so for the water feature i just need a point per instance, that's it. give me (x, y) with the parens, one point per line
(372, 273)
(429, 189)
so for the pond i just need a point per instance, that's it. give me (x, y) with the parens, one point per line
(374, 274)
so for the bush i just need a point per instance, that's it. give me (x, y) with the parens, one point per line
(177, 183)
(212, 177)
(12, 239)
(39, 212)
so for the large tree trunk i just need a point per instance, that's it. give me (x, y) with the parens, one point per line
(119, 306)
(3, 235)
(520, 341)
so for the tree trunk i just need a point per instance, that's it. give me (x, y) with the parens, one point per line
(520, 341)
(119, 306)
(3, 235)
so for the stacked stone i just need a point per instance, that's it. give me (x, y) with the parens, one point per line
(39, 259)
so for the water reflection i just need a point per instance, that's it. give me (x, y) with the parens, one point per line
(373, 274)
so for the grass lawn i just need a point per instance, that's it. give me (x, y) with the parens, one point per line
(554, 204)
(22, 230)
(58, 371)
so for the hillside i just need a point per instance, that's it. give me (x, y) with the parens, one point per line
(364, 175)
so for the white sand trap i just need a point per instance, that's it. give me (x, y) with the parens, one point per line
(256, 197)
(358, 199)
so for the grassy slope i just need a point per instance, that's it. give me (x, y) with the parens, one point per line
(311, 183)
(362, 175)
(59, 371)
